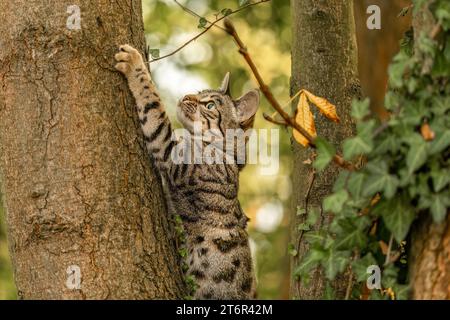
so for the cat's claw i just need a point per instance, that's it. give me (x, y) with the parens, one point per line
(129, 60)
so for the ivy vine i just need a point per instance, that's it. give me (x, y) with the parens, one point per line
(406, 171)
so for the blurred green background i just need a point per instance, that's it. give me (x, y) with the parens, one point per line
(266, 31)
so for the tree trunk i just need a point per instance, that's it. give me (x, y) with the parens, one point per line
(324, 61)
(81, 200)
(429, 259)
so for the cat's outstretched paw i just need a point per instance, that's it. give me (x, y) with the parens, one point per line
(129, 60)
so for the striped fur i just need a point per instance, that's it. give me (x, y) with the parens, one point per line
(204, 195)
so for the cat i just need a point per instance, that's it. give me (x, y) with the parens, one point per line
(205, 196)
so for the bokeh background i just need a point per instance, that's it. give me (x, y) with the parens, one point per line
(266, 30)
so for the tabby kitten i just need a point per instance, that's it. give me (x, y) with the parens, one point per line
(204, 195)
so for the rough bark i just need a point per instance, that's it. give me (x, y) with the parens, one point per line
(77, 186)
(324, 61)
(430, 259)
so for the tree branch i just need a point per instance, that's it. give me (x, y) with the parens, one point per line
(211, 24)
(338, 159)
(270, 119)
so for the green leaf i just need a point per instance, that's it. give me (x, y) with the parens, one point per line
(416, 157)
(350, 236)
(300, 211)
(154, 53)
(291, 250)
(341, 180)
(360, 109)
(328, 293)
(401, 291)
(325, 153)
(355, 183)
(335, 263)
(397, 215)
(360, 266)
(377, 183)
(314, 237)
(313, 216)
(438, 207)
(356, 146)
(202, 22)
(440, 180)
(441, 142)
(388, 143)
(303, 227)
(335, 202)
(309, 262)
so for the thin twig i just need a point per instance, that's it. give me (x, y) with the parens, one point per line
(211, 24)
(274, 121)
(195, 14)
(435, 31)
(270, 97)
(388, 253)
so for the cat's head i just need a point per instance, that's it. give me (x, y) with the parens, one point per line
(217, 110)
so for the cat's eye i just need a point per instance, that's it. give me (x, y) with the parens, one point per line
(210, 105)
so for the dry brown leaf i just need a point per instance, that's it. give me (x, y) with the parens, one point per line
(384, 247)
(373, 229)
(326, 108)
(304, 117)
(426, 132)
(375, 200)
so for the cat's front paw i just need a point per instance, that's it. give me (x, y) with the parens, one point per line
(129, 60)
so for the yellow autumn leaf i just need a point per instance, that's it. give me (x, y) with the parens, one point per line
(326, 108)
(304, 117)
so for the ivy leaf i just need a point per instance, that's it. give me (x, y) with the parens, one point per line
(291, 250)
(389, 143)
(325, 153)
(385, 182)
(416, 157)
(154, 53)
(401, 291)
(329, 293)
(440, 180)
(314, 237)
(350, 236)
(300, 211)
(309, 261)
(441, 142)
(355, 183)
(397, 215)
(356, 146)
(341, 180)
(360, 109)
(335, 262)
(438, 207)
(335, 202)
(360, 266)
(202, 22)
(304, 227)
(313, 216)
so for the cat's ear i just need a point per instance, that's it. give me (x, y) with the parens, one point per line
(225, 87)
(246, 106)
